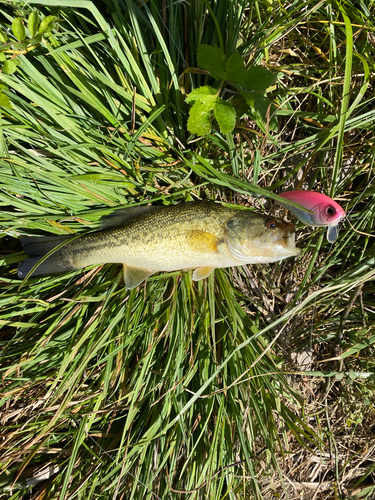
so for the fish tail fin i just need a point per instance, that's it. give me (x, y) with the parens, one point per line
(36, 248)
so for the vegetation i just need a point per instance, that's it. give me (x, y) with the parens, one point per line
(255, 383)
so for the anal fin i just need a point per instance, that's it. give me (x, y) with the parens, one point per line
(202, 272)
(134, 276)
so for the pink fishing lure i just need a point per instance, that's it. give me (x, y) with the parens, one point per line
(326, 211)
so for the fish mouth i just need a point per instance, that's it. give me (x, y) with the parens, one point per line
(289, 249)
(287, 242)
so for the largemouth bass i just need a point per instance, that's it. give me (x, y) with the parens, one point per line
(195, 235)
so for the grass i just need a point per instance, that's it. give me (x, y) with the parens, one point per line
(256, 383)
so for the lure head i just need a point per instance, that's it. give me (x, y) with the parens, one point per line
(326, 211)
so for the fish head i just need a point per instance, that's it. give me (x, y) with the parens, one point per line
(326, 211)
(253, 238)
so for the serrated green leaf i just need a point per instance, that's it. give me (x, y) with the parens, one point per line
(2, 57)
(10, 66)
(201, 93)
(259, 79)
(259, 105)
(212, 59)
(3, 37)
(47, 24)
(235, 70)
(18, 28)
(248, 96)
(225, 115)
(199, 119)
(263, 106)
(32, 22)
(4, 101)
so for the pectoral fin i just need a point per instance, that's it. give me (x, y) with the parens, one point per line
(201, 241)
(202, 272)
(133, 276)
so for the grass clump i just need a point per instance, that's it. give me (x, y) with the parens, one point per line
(256, 383)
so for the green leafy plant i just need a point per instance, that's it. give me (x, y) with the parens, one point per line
(10, 50)
(251, 84)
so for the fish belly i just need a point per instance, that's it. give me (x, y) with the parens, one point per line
(189, 250)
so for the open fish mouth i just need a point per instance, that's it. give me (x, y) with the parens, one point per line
(290, 250)
(287, 243)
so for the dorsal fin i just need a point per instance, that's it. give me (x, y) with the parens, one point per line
(124, 215)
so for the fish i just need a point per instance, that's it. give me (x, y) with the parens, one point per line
(327, 213)
(199, 236)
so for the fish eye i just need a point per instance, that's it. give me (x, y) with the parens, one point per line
(330, 211)
(271, 224)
